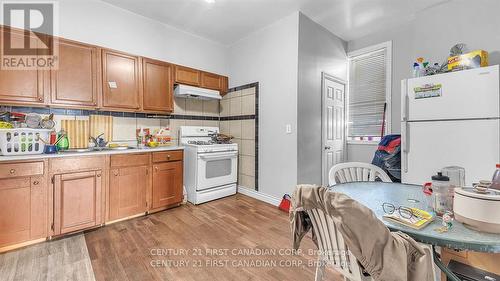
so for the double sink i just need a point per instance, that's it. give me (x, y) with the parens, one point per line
(95, 149)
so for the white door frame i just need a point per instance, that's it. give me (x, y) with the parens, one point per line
(325, 76)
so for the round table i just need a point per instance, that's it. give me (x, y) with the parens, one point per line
(374, 194)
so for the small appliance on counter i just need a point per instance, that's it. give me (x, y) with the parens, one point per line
(478, 208)
(210, 166)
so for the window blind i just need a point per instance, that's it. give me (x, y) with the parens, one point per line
(367, 94)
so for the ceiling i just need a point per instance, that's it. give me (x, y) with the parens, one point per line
(226, 21)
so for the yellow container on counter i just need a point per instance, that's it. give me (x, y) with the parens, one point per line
(474, 59)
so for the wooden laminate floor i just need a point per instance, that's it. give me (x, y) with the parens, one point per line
(62, 259)
(235, 238)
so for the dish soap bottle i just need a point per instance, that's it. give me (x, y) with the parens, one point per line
(63, 143)
(141, 138)
(495, 181)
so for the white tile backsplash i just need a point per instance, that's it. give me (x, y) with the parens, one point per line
(194, 107)
(248, 105)
(235, 106)
(248, 129)
(210, 108)
(124, 129)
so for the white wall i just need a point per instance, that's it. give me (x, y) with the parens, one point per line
(99, 23)
(431, 35)
(319, 51)
(269, 56)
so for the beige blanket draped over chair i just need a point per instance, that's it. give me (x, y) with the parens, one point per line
(384, 255)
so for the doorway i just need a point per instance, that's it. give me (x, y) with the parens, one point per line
(333, 123)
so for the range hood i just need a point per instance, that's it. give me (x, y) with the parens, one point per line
(185, 91)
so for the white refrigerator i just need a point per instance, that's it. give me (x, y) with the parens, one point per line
(451, 119)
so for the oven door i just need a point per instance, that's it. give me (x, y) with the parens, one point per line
(216, 169)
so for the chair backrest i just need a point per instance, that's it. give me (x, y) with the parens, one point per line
(332, 248)
(355, 171)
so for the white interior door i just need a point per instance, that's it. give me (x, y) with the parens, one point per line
(333, 119)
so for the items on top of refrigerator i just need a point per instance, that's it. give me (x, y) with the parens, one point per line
(474, 59)
(459, 58)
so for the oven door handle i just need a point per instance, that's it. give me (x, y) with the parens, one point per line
(218, 156)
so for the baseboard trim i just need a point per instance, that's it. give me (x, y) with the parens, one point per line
(259, 196)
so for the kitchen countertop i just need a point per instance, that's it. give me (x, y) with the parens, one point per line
(93, 153)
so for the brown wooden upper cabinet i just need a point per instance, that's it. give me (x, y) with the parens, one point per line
(188, 76)
(198, 78)
(212, 81)
(22, 86)
(158, 86)
(75, 83)
(120, 81)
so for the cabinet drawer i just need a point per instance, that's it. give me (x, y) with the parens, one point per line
(69, 164)
(127, 160)
(12, 170)
(167, 156)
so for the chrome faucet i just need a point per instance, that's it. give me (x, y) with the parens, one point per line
(98, 141)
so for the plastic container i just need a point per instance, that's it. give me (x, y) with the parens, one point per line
(495, 181)
(443, 192)
(22, 141)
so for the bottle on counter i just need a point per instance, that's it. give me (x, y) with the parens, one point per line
(141, 138)
(63, 143)
(443, 192)
(495, 181)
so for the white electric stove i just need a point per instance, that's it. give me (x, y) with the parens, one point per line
(210, 169)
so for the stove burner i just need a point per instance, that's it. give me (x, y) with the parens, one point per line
(207, 142)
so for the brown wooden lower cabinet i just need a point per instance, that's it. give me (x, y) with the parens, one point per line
(77, 198)
(167, 184)
(127, 191)
(33, 207)
(23, 213)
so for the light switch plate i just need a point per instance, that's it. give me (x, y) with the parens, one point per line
(112, 85)
(288, 128)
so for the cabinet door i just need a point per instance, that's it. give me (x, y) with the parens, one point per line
(24, 210)
(127, 191)
(77, 201)
(167, 184)
(188, 76)
(15, 199)
(75, 82)
(212, 81)
(120, 86)
(21, 86)
(158, 86)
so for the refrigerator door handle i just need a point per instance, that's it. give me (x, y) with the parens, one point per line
(405, 132)
(404, 100)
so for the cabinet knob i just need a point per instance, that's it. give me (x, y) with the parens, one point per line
(156, 169)
(168, 156)
(98, 175)
(12, 171)
(40, 99)
(36, 182)
(115, 173)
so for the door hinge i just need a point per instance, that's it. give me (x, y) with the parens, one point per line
(52, 226)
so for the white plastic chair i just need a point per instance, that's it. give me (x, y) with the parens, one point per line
(355, 171)
(333, 250)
